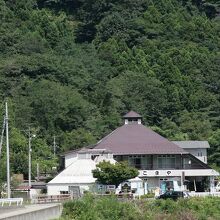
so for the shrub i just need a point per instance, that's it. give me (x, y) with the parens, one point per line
(110, 208)
(149, 195)
(100, 208)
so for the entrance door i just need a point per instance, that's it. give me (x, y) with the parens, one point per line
(74, 191)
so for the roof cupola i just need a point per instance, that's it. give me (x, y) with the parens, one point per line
(132, 118)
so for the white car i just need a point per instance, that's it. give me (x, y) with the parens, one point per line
(217, 187)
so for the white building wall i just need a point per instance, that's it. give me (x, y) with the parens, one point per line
(199, 153)
(56, 188)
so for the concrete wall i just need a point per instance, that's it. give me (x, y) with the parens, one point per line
(34, 212)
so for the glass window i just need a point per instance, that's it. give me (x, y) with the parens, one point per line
(199, 154)
(166, 162)
(64, 192)
(137, 163)
(170, 162)
(160, 162)
(132, 121)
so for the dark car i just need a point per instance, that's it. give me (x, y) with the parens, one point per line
(173, 195)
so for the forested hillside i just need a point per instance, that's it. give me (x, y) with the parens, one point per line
(72, 68)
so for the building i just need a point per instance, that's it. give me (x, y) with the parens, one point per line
(197, 148)
(157, 159)
(77, 175)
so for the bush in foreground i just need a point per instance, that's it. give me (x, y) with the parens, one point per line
(109, 208)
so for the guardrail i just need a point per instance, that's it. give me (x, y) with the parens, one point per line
(50, 199)
(204, 194)
(9, 201)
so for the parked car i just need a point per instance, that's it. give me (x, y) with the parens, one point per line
(218, 187)
(173, 195)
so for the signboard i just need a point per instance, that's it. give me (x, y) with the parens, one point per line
(178, 173)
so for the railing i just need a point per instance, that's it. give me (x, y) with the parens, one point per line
(204, 194)
(50, 199)
(18, 201)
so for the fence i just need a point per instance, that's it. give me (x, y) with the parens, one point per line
(9, 201)
(204, 194)
(50, 199)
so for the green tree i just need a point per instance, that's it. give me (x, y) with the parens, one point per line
(197, 126)
(214, 151)
(76, 139)
(113, 174)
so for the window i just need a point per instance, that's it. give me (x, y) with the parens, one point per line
(161, 162)
(166, 161)
(94, 156)
(170, 162)
(132, 121)
(140, 161)
(137, 163)
(187, 163)
(199, 154)
(64, 192)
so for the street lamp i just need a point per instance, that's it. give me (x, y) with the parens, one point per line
(30, 136)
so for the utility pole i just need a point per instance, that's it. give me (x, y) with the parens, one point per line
(54, 145)
(30, 136)
(38, 172)
(7, 149)
(29, 158)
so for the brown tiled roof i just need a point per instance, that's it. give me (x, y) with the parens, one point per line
(137, 139)
(132, 114)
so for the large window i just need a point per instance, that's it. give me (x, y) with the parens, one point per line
(166, 162)
(140, 162)
(135, 161)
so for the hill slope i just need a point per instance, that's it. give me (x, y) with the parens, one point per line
(72, 68)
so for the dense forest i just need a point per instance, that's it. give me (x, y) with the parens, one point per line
(72, 68)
